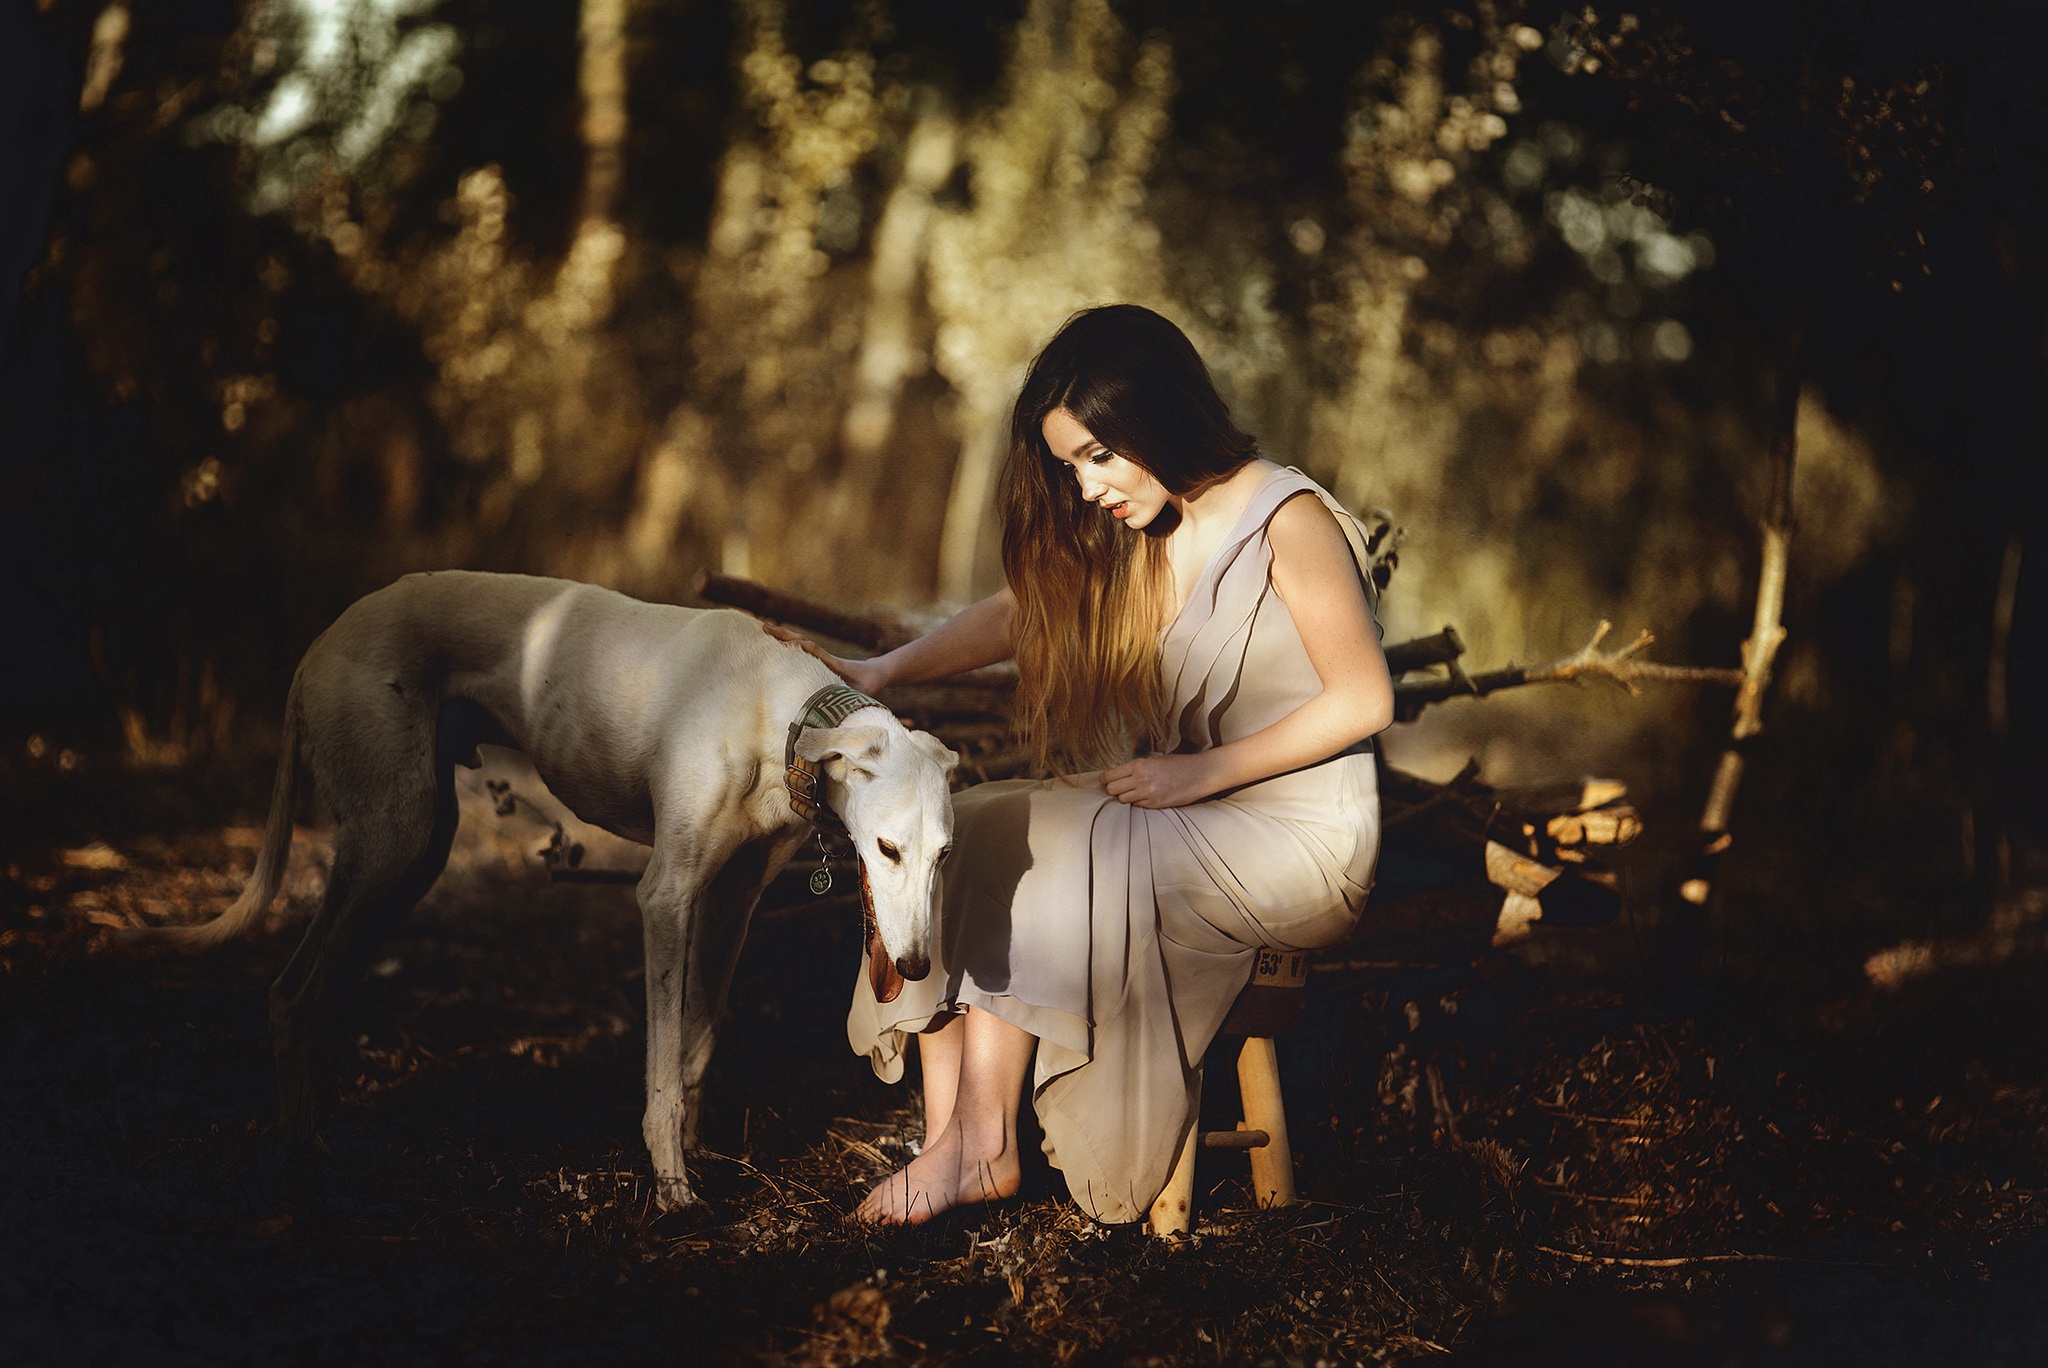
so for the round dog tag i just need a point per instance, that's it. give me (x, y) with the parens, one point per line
(821, 881)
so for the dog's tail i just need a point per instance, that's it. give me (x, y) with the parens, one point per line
(276, 850)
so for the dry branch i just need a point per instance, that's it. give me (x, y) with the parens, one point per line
(1620, 667)
(881, 630)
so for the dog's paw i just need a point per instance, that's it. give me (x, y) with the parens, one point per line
(674, 1196)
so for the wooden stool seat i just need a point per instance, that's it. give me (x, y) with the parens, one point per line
(1269, 1006)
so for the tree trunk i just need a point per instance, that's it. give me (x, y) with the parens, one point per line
(601, 84)
(584, 286)
(974, 482)
(1767, 633)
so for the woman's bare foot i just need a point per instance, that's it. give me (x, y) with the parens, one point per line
(950, 1173)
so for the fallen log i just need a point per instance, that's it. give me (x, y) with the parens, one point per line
(881, 629)
(872, 631)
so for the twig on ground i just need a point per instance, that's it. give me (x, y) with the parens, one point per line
(1686, 1260)
(1571, 1194)
(1564, 1113)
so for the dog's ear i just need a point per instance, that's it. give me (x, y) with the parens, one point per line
(843, 750)
(936, 749)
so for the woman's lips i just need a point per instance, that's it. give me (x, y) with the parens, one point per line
(1119, 510)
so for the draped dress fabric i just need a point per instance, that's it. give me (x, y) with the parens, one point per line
(1120, 936)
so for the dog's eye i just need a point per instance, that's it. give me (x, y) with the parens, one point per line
(889, 851)
(945, 854)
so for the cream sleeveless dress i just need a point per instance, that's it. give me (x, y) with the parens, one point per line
(1120, 936)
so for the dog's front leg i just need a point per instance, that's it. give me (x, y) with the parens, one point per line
(671, 896)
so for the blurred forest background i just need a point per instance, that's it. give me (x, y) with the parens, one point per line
(300, 295)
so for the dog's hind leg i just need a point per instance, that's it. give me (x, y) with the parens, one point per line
(389, 847)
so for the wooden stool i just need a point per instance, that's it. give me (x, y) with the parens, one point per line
(1269, 1006)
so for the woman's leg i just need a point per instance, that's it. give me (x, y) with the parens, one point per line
(973, 1158)
(938, 1053)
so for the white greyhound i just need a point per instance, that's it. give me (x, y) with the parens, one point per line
(675, 727)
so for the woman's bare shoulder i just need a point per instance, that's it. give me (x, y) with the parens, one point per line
(1302, 516)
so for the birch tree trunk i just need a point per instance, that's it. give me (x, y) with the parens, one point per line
(1767, 631)
(584, 287)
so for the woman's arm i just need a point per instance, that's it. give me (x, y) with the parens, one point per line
(1317, 578)
(980, 634)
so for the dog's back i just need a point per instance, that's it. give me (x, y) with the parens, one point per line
(591, 684)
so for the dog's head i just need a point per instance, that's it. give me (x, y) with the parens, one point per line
(889, 785)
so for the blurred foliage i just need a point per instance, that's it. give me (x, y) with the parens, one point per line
(334, 289)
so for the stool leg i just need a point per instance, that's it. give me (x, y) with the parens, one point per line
(1172, 1211)
(1258, 1079)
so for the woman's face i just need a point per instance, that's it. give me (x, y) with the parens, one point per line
(1120, 487)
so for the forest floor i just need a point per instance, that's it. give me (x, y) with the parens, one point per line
(1504, 1159)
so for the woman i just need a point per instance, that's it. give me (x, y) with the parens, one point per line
(1171, 595)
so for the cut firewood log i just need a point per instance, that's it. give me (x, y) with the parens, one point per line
(1617, 825)
(1548, 895)
(1517, 873)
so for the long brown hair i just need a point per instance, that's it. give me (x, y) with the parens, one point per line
(1091, 596)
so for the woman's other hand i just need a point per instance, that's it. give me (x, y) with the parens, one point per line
(861, 674)
(1161, 781)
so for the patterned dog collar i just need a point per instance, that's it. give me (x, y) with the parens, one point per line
(828, 707)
